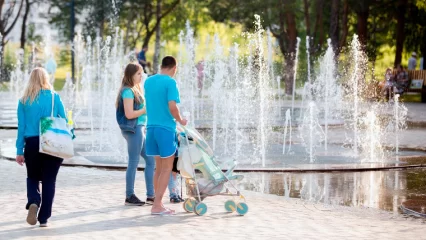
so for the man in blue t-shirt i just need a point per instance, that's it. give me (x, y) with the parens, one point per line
(162, 95)
(142, 58)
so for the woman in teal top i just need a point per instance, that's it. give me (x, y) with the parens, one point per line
(131, 117)
(35, 104)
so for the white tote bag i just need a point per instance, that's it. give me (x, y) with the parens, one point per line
(56, 136)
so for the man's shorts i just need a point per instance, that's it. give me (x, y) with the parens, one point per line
(160, 142)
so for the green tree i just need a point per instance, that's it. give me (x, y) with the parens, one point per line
(415, 29)
(401, 11)
(32, 36)
(8, 19)
(421, 4)
(60, 16)
(102, 13)
(140, 20)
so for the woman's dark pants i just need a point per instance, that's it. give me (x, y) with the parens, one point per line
(40, 168)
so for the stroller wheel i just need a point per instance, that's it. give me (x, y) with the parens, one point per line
(189, 205)
(242, 208)
(230, 206)
(200, 209)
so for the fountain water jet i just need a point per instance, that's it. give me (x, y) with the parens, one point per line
(296, 61)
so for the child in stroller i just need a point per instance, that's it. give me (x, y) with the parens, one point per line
(196, 155)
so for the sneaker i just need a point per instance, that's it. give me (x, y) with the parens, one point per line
(32, 214)
(149, 201)
(133, 201)
(176, 199)
(181, 199)
(43, 224)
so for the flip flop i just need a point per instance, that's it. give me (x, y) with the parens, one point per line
(163, 213)
(170, 210)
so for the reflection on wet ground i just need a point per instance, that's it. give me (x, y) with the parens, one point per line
(376, 189)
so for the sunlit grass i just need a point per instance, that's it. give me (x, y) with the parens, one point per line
(60, 77)
(417, 97)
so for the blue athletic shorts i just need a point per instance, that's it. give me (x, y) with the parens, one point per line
(160, 142)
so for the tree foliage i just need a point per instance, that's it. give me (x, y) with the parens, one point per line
(415, 30)
(377, 22)
(60, 16)
(421, 4)
(138, 18)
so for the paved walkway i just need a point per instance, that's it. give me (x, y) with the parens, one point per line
(89, 205)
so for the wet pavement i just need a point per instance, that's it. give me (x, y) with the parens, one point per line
(384, 190)
(89, 205)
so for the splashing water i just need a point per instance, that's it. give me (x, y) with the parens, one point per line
(399, 118)
(238, 104)
(327, 90)
(310, 131)
(296, 60)
(371, 135)
(287, 120)
(308, 54)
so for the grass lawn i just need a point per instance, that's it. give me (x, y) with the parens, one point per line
(60, 76)
(411, 97)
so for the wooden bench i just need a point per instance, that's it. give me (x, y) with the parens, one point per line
(417, 74)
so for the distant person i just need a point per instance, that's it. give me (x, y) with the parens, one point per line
(388, 85)
(200, 76)
(35, 104)
(401, 79)
(162, 97)
(51, 68)
(412, 62)
(142, 59)
(131, 118)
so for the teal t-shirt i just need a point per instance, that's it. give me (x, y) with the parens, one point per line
(128, 93)
(159, 90)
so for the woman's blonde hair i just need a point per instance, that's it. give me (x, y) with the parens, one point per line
(127, 82)
(39, 79)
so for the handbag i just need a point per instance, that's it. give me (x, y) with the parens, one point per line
(56, 137)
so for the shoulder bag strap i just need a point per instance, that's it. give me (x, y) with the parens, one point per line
(53, 104)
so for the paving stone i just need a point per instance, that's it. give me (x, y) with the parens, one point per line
(89, 204)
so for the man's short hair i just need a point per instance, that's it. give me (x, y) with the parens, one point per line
(168, 62)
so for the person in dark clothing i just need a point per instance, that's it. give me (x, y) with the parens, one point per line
(35, 104)
(142, 59)
(401, 79)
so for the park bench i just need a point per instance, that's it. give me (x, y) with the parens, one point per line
(417, 79)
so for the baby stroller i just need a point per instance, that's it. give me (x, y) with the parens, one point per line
(195, 154)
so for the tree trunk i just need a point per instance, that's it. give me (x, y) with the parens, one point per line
(150, 32)
(345, 26)
(147, 38)
(307, 22)
(24, 23)
(423, 49)
(400, 37)
(4, 30)
(334, 26)
(291, 50)
(318, 36)
(157, 38)
(101, 28)
(2, 71)
(362, 26)
(126, 35)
